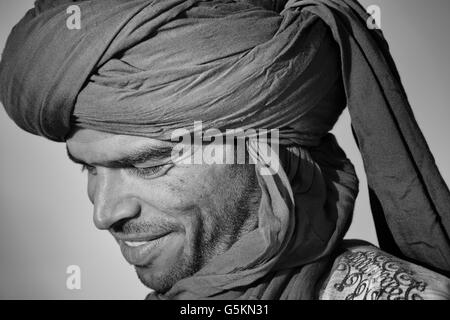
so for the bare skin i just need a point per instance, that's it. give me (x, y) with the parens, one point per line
(168, 219)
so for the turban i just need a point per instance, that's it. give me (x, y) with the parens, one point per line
(146, 68)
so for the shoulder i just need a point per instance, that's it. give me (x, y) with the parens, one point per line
(364, 272)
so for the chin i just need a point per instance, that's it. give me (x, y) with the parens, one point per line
(161, 283)
(163, 280)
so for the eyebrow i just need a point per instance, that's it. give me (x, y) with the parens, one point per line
(136, 157)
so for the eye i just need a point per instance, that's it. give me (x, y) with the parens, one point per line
(150, 172)
(89, 169)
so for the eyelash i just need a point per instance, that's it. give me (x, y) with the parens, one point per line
(146, 172)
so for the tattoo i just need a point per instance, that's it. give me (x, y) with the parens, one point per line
(375, 276)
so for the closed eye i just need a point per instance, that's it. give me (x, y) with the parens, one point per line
(144, 172)
(150, 172)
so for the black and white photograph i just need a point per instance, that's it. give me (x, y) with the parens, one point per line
(225, 150)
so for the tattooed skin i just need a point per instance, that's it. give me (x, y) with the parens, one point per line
(371, 275)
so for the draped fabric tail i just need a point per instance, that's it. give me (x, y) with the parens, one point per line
(407, 190)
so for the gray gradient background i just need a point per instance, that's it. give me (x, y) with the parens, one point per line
(46, 218)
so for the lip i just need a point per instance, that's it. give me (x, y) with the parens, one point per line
(141, 255)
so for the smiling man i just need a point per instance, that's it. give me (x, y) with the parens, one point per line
(117, 90)
(168, 219)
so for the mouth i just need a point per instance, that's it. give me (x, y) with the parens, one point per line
(139, 250)
(135, 243)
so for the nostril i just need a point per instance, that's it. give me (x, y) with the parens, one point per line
(119, 225)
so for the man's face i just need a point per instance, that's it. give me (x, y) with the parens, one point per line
(168, 219)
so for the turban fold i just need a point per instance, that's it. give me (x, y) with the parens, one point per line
(147, 68)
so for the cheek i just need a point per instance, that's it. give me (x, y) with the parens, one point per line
(182, 188)
(190, 193)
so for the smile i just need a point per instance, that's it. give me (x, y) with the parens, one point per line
(140, 252)
(135, 243)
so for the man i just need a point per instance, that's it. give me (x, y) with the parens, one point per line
(118, 89)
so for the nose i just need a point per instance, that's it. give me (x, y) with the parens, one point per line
(111, 201)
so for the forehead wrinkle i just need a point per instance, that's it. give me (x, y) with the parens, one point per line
(140, 155)
(147, 153)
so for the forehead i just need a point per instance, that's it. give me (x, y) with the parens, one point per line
(95, 146)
